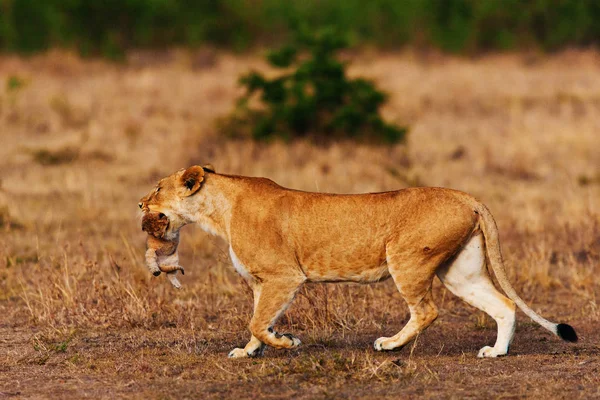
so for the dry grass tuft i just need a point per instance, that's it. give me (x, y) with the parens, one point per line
(61, 156)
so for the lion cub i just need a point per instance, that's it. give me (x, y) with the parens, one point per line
(161, 253)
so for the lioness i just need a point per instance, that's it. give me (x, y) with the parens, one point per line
(280, 238)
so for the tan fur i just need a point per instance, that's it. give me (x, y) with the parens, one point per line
(161, 253)
(280, 238)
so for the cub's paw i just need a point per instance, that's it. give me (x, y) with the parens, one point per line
(490, 352)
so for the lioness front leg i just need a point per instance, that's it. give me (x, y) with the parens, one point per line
(271, 298)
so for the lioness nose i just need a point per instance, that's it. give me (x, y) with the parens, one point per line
(140, 204)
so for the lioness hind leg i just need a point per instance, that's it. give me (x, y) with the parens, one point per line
(422, 314)
(414, 284)
(467, 277)
(271, 298)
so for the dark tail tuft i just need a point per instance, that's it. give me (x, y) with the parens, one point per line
(566, 332)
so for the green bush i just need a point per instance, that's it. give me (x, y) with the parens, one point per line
(312, 97)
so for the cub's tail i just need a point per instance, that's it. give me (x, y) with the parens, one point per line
(490, 231)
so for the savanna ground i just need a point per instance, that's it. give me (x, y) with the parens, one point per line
(82, 141)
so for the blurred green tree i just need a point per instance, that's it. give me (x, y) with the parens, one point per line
(109, 27)
(312, 97)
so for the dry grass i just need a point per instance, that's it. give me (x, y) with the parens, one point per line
(83, 141)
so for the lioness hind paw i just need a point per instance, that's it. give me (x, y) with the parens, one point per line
(490, 352)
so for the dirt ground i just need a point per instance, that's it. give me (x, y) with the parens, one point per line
(83, 140)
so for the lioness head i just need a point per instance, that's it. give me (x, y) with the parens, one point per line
(172, 196)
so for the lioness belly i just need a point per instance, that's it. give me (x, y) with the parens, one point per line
(351, 274)
(339, 263)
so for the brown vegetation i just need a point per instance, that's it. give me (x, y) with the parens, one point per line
(82, 141)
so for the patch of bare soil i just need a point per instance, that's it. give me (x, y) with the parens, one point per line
(180, 363)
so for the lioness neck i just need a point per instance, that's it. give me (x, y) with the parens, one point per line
(211, 209)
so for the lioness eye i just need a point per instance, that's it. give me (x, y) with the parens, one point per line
(157, 189)
(161, 215)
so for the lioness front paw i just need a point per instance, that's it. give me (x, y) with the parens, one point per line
(237, 353)
(382, 344)
(295, 342)
(490, 352)
(257, 352)
(242, 353)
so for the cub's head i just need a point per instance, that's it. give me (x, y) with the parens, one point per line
(155, 224)
(174, 196)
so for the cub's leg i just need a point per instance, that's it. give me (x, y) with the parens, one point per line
(174, 281)
(170, 265)
(172, 269)
(152, 262)
(415, 287)
(271, 298)
(467, 277)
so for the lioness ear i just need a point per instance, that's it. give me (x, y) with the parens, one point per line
(209, 168)
(191, 179)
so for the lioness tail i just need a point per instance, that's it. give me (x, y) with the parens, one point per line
(490, 232)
